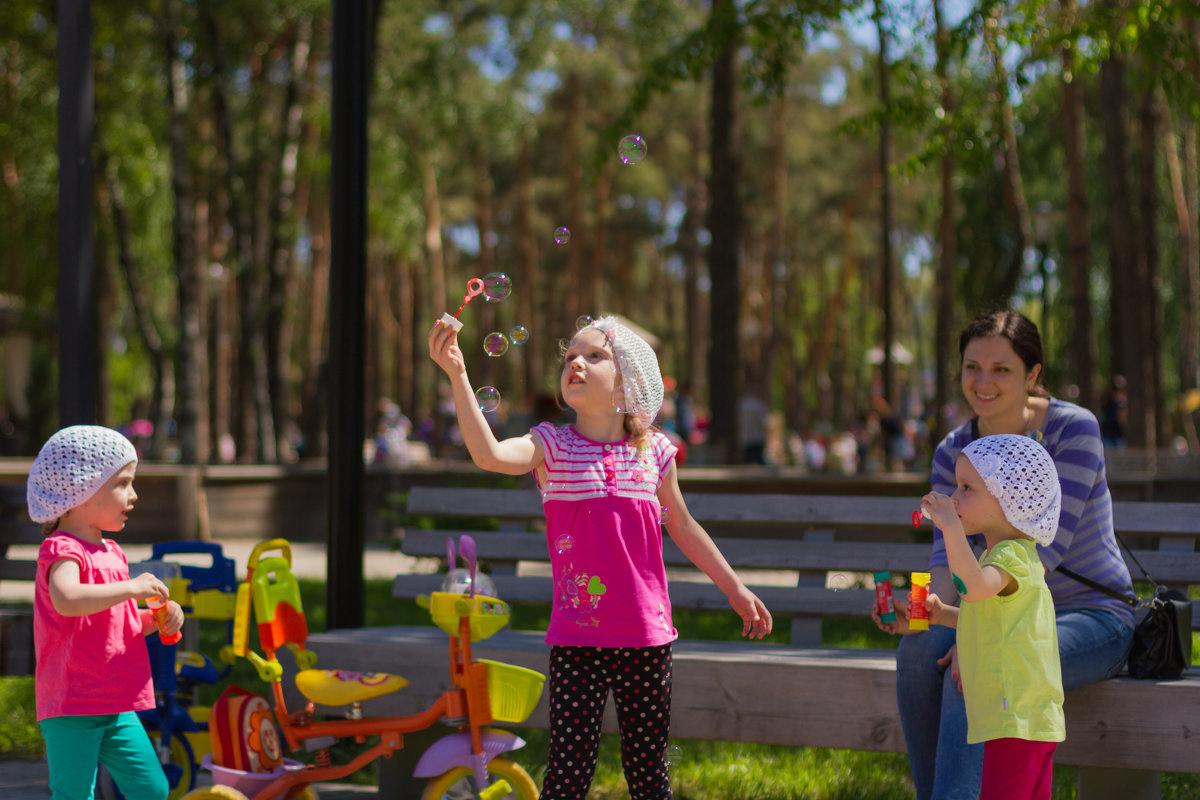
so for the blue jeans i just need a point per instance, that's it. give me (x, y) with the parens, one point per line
(1092, 646)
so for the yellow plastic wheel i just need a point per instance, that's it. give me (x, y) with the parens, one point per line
(181, 755)
(215, 792)
(460, 782)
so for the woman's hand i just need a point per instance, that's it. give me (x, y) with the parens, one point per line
(444, 349)
(951, 659)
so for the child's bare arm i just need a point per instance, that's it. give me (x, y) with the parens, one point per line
(700, 549)
(71, 598)
(514, 456)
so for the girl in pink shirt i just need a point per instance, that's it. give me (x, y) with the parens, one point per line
(608, 486)
(93, 672)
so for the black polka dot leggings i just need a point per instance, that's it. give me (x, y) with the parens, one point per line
(580, 680)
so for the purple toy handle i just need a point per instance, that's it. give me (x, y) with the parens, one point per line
(466, 545)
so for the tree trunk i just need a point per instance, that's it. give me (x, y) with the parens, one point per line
(1078, 255)
(281, 286)
(944, 358)
(1148, 279)
(1127, 352)
(887, 290)
(144, 324)
(529, 301)
(725, 225)
(190, 356)
(433, 287)
(568, 282)
(1013, 185)
(777, 268)
(695, 201)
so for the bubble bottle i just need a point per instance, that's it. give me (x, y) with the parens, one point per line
(918, 615)
(883, 597)
(158, 607)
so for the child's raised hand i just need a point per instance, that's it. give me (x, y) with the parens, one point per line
(940, 509)
(444, 349)
(756, 620)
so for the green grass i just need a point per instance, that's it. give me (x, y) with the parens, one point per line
(701, 770)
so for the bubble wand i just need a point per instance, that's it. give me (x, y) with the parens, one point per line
(474, 289)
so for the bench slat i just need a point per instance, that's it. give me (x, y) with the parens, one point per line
(1130, 517)
(781, 600)
(805, 556)
(11, 570)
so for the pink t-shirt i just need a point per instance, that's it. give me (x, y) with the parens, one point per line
(95, 664)
(603, 529)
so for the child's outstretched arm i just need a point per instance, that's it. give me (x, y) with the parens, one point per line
(981, 582)
(71, 598)
(514, 456)
(700, 549)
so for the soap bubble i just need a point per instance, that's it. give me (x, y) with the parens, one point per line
(674, 755)
(458, 581)
(582, 321)
(488, 398)
(562, 235)
(632, 149)
(839, 581)
(564, 543)
(665, 516)
(519, 335)
(497, 286)
(495, 344)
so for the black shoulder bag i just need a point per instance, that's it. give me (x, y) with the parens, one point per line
(1162, 637)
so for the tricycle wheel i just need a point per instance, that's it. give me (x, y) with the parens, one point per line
(459, 783)
(215, 792)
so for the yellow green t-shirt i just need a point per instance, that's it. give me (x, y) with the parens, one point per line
(1008, 654)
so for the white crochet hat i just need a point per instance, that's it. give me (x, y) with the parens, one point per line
(1020, 474)
(640, 379)
(72, 466)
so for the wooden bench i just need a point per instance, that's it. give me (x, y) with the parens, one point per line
(1121, 733)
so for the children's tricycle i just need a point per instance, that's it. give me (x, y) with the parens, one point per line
(481, 692)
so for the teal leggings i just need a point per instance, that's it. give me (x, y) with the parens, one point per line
(75, 745)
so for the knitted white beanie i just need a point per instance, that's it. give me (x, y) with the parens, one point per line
(72, 466)
(1020, 474)
(641, 380)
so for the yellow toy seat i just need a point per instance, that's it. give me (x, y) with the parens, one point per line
(329, 687)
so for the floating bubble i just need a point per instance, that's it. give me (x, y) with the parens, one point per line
(582, 321)
(665, 516)
(562, 235)
(564, 543)
(632, 149)
(519, 335)
(488, 398)
(839, 581)
(674, 755)
(495, 344)
(497, 286)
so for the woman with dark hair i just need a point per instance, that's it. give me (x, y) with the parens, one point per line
(1002, 368)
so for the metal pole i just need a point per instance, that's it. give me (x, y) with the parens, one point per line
(347, 313)
(77, 347)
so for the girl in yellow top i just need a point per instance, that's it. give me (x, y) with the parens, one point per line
(1007, 490)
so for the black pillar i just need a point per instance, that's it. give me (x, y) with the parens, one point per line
(347, 313)
(77, 345)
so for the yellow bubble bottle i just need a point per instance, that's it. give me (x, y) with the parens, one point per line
(918, 616)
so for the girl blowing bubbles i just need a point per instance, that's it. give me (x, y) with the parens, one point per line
(605, 483)
(93, 671)
(1008, 490)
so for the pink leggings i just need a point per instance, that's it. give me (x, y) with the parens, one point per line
(1015, 769)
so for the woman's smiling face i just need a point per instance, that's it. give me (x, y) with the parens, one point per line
(994, 379)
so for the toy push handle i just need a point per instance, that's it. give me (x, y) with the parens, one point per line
(158, 607)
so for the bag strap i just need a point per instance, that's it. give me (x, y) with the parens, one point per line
(1099, 587)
